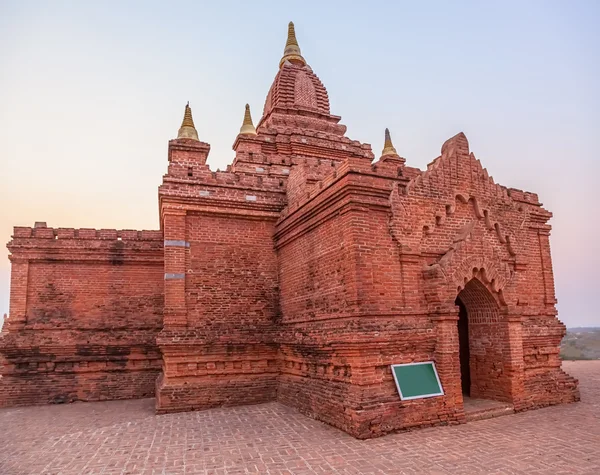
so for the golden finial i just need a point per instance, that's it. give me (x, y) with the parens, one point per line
(291, 39)
(388, 147)
(247, 126)
(187, 129)
(292, 50)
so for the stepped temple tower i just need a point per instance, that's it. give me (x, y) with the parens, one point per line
(300, 275)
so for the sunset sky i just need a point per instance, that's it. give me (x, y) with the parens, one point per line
(91, 92)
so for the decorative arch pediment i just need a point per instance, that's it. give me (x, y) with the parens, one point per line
(409, 228)
(446, 277)
(504, 235)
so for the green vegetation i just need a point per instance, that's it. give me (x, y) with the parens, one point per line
(581, 344)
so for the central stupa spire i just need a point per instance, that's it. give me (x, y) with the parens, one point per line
(296, 94)
(291, 51)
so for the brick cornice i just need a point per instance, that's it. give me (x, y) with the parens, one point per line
(346, 193)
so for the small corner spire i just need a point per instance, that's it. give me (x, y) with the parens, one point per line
(388, 146)
(291, 51)
(187, 129)
(247, 126)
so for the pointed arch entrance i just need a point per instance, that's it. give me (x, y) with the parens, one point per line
(482, 336)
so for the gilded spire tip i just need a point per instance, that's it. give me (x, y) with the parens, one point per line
(388, 146)
(291, 39)
(187, 129)
(247, 126)
(291, 51)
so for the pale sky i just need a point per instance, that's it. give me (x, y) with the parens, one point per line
(91, 92)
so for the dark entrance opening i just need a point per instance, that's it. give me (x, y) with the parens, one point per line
(463, 344)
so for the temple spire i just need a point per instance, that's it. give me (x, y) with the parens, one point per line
(247, 126)
(291, 51)
(187, 129)
(388, 147)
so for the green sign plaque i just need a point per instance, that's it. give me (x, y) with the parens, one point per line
(417, 380)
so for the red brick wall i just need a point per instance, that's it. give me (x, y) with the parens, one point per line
(94, 295)
(345, 315)
(316, 271)
(231, 285)
(231, 305)
(86, 306)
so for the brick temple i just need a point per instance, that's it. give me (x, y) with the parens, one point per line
(299, 274)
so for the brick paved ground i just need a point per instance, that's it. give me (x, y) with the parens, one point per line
(126, 437)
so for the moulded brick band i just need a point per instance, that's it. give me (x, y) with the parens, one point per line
(176, 243)
(169, 276)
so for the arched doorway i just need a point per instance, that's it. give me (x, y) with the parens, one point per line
(483, 338)
(463, 345)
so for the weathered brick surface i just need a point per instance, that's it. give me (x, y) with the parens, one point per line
(86, 306)
(218, 344)
(300, 273)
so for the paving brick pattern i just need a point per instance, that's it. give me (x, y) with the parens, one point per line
(125, 437)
